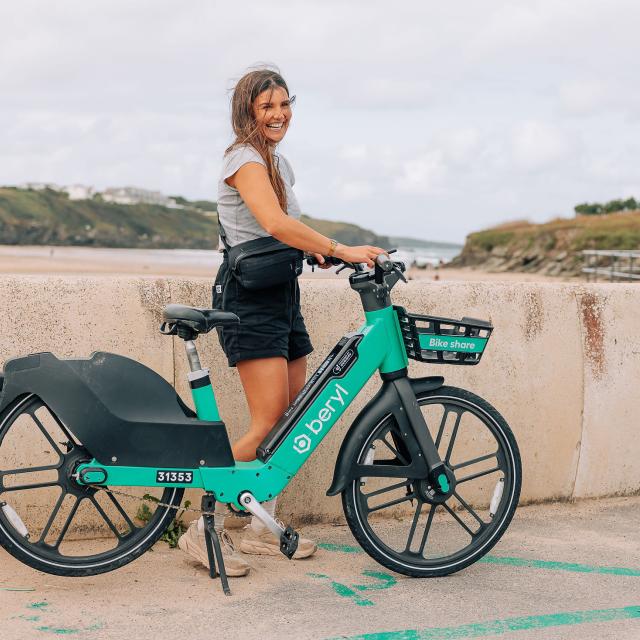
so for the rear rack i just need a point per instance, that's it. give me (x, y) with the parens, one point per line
(443, 340)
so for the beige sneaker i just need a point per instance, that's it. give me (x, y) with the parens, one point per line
(265, 543)
(192, 542)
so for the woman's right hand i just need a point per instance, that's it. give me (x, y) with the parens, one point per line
(363, 253)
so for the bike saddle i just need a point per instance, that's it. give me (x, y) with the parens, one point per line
(199, 320)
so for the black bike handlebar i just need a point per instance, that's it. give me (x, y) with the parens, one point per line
(382, 263)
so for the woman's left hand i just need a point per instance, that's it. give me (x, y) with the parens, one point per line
(322, 263)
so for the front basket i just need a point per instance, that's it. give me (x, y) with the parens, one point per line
(442, 340)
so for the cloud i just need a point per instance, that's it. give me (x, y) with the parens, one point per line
(537, 145)
(583, 97)
(423, 174)
(354, 189)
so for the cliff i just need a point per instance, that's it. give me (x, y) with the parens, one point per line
(552, 248)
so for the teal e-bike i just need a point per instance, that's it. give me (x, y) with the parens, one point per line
(429, 474)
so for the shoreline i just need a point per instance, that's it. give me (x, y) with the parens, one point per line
(72, 260)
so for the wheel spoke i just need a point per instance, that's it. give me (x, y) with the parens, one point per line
(106, 518)
(427, 528)
(468, 463)
(122, 512)
(11, 472)
(35, 485)
(481, 522)
(45, 433)
(452, 440)
(391, 487)
(477, 475)
(67, 523)
(52, 517)
(393, 450)
(445, 415)
(412, 531)
(391, 503)
(458, 519)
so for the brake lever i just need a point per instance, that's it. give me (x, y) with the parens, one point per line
(398, 270)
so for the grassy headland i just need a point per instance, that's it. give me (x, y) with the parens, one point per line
(49, 217)
(552, 248)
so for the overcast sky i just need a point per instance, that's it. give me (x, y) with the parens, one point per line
(418, 118)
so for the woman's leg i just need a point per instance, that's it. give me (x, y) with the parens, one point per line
(268, 383)
(297, 372)
(266, 387)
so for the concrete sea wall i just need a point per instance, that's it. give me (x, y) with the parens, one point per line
(563, 365)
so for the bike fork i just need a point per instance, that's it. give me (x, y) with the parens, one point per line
(411, 419)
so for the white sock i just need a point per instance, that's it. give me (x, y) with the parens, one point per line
(270, 507)
(219, 514)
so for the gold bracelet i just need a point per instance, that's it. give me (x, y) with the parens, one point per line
(332, 247)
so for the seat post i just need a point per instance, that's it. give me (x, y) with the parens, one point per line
(192, 355)
(200, 384)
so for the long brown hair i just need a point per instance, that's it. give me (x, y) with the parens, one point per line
(244, 124)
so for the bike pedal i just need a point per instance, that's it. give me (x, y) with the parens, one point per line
(289, 542)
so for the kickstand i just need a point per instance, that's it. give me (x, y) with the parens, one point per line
(214, 552)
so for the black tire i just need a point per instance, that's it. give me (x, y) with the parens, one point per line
(40, 555)
(409, 562)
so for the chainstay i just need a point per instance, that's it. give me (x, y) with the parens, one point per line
(154, 501)
(240, 514)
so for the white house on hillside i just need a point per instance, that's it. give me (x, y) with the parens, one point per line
(134, 195)
(79, 192)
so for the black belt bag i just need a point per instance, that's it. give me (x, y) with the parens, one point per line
(264, 262)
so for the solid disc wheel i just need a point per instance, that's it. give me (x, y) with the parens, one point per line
(56, 525)
(414, 528)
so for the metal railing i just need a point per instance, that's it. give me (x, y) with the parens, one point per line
(612, 265)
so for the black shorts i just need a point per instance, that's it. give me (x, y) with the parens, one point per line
(271, 323)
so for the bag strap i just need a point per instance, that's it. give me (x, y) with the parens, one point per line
(223, 235)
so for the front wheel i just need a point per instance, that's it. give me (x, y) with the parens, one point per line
(406, 525)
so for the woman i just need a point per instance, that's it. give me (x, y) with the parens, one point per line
(270, 345)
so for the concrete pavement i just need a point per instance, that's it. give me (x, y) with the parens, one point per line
(562, 571)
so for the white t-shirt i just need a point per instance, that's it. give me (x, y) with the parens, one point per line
(239, 223)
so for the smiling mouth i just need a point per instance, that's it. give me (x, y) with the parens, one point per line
(276, 126)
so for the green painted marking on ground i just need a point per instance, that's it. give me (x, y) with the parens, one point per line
(56, 630)
(498, 627)
(560, 566)
(518, 562)
(68, 631)
(60, 631)
(16, 589)
(343, 590)
(341, 548)
(384, 581)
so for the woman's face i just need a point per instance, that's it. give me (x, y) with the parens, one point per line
(272, 111)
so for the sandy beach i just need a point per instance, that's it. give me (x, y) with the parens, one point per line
(196, 264)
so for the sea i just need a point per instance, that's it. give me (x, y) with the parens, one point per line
(421, 257)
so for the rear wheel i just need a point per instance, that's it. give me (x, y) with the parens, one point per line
(406, 525)
(56, 525)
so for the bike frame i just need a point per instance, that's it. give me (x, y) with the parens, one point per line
(377, 345)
